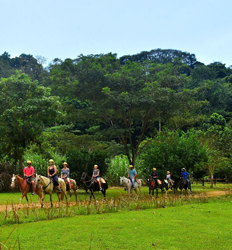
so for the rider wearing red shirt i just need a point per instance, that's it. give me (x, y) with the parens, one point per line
(29, 172)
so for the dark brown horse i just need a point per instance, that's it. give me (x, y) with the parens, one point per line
(183, 184)
(152, 186)
(93, 185)
(170, 184)
(24, 187)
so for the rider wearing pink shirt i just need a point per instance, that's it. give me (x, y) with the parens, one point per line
(29, 172)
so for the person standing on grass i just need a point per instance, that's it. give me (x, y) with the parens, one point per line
(29, 172)
(186, 175)
(132, 175)
(65, 174)
(95, 175)
(52, 172)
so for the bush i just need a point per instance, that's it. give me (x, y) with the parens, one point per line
(80, 161)
(40, 164)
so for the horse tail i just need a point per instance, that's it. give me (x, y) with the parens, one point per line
(106, 185)
(142, 181)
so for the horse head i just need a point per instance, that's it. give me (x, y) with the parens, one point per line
(13, 179)
(83, 176)
(121, 180)
(149, 180)
(37, 179)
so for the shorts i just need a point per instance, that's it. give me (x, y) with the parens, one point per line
(30, 179)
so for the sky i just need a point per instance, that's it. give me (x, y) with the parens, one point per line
(67, 28)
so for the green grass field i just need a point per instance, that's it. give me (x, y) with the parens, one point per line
(191, 226)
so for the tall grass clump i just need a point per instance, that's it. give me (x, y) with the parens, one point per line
(41, 164)
(118, 166)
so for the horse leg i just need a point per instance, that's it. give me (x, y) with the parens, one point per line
(27, 199)
(156, 192)
(51, 199)
(21, 200)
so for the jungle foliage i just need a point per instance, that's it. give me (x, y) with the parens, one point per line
(158, 108)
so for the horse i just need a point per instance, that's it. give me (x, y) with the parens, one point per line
(183, 184)
(128, 184)
(74, 188)
(93, 185)
(24, 187)
(152, 186)
(47, 187)
(173, 185)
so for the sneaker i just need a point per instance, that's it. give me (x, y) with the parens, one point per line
(32, 193)
(70, 190)
(100, 189)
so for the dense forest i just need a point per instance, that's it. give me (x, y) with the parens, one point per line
(158, 108)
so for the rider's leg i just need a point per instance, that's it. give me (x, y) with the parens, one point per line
(33, 187)
(188, 182)
(69, 183)
(133, 182)
(99, 181)
(56, 182)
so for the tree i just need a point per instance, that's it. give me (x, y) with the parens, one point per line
(129, 101)
(217, 137)
(25, 109)
(171, 151)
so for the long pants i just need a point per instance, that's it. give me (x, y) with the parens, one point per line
(55, 179)
(133, 182)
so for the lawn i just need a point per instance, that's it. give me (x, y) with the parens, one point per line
(8, 198)
(191, 226)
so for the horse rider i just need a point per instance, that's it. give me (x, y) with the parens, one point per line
(186, 175)
(168, 177)
(29, 172)
(154, 175)
(52, 172)
(132, 175)
(95, 175)
(65, 173)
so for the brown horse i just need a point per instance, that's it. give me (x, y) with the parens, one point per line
(74, 188)
(24, 187)
(152, 186)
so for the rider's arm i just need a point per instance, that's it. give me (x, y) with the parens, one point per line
(55, 171)
(66, 174)
(48, 172)
(135, 176)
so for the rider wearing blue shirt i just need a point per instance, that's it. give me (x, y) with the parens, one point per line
(132, 175)
(186, 175)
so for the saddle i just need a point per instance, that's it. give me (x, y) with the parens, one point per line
(158, 181)
(67, 185)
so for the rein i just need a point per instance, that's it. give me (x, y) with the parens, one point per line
(47, 185)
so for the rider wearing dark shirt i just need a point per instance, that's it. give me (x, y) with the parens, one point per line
(154, 175)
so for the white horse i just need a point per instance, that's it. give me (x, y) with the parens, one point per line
(47, 187)
(125, 182)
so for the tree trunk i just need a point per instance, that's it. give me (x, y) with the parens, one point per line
(211, 181)
(20, 161)
(159, 126)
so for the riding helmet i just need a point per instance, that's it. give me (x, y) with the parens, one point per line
(154, 169)
(168, 172)
(28, 161)
(51, 160)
